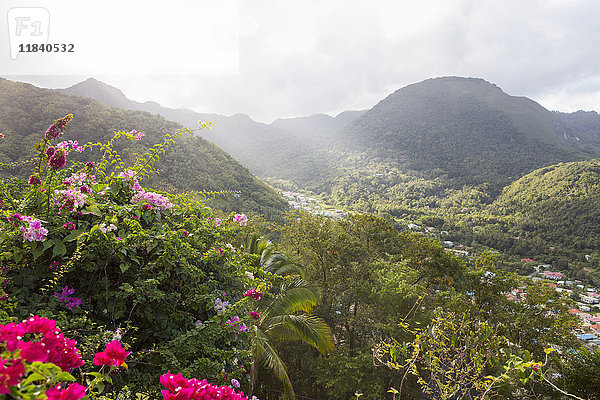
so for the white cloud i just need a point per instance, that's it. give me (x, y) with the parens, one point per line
(304, 57)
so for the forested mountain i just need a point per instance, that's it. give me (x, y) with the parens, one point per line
(191, 164)
(291, 149)
(464, 129)
(585, 125)
(559, 203)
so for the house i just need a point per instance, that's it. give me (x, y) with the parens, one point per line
(527, 260)
(587, 336)
(552, 275)
(588, 299)
(459, 252)
(574, 311)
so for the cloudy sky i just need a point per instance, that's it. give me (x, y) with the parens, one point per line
(304, 57)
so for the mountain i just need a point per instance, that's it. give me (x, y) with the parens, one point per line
(462, 129)
(191, 164)
(291, 149)
(585, 125)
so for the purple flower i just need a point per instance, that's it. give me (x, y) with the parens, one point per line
(65, 297)
(15, 219)
(34, 232)
(50, 151)
(54, 265)
(241, 218)
(69, 226)
(235, 383)
(68, 146)
(138, 135)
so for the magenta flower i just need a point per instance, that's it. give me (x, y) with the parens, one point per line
(57, 160)
(69, 226)
(74, 391)
(113, 355)
(10, 375)
(14, 219)
(254, 294)
(54, 265)
(58, 127)
(35, 180)
(255, 315)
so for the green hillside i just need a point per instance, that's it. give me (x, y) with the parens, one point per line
(465, 129)
(560, 203)
(192, 164)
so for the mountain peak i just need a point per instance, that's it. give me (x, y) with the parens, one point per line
(100, 91)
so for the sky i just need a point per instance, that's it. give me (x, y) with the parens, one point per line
(285, 58)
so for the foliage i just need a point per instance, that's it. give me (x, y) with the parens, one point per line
(88, 245)
(456, 357)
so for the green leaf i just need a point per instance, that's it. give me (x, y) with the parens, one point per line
(37, 251)
(17, 255)
(59, 250)
(92, 209)
(124, 267)
(73, 235)
(35, 377)
(65, 376)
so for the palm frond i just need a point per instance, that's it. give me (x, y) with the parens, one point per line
(265, 354)
(302, 328)
(280, 264)
(295, 296)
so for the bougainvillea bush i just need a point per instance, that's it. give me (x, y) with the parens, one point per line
(87, 245)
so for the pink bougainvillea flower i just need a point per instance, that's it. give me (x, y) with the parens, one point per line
(35, 180)
(58, 159)
(10, 375)
(58, 127)
(254, 294)
(113, 354)
(75, 391)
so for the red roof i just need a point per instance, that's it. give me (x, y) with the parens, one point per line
(574, 311)
(527, 260)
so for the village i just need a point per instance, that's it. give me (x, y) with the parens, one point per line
(299, 201)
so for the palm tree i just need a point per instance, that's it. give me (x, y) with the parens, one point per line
(284, 315)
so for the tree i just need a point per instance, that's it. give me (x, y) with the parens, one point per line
(283, 313)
